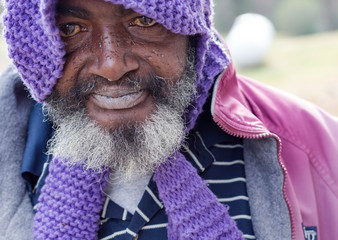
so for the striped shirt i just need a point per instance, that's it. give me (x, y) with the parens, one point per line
(217, 156)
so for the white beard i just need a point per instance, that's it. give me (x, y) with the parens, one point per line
(80, 140)
(133, 149)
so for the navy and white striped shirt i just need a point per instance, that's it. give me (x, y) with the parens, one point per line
(217, 156)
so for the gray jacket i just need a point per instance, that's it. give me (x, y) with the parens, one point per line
(15, 206)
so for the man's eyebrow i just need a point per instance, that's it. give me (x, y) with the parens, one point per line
(124, 12)
(72, 11)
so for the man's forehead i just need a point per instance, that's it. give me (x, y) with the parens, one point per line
(123, 11)
(85, 9)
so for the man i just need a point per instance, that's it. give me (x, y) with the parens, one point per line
(128, 87)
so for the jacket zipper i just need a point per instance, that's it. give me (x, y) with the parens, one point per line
(236, 133)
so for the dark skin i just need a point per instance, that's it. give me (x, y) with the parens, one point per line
(108, 41)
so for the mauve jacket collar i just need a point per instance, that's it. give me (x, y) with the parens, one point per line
(236, 116)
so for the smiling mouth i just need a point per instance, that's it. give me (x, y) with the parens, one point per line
(116, 99)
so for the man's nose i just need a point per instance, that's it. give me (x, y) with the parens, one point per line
(111, 57)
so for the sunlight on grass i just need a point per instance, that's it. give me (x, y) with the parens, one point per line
(306, 66)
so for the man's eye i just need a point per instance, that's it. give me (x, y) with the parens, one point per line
(69, 30)
(143, 21)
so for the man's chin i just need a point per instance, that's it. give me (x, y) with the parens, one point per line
(131, 149)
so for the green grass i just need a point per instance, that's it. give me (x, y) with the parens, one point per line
(293, 57)
(306, 66)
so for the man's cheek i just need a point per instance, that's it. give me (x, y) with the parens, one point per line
(71, 72)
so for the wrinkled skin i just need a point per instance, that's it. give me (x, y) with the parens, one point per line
(112, 46)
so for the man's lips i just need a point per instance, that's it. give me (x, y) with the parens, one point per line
(114, 99)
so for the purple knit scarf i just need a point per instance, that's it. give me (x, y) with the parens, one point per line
(70, 203)
(72, 197)
(193, 210)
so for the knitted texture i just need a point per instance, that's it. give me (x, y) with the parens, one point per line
(193, 210)
(34, 44)
(69, 204)
(37, 49)
(72, 198)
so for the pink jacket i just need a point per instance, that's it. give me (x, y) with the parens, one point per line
(307, 144)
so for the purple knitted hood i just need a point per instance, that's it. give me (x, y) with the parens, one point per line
(38, 52)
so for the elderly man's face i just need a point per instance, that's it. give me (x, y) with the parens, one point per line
(126, 87)
(112, 57)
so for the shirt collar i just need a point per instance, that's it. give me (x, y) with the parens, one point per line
(202, 138)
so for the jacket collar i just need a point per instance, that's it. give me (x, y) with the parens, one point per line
(230, 108)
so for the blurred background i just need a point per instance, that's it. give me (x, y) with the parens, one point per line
(293, 47)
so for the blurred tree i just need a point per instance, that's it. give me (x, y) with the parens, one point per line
(266, 8)
(290, 16)
(224, 15)
(300, 17)
(331, 13)
(227, 10)
(243, 6)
